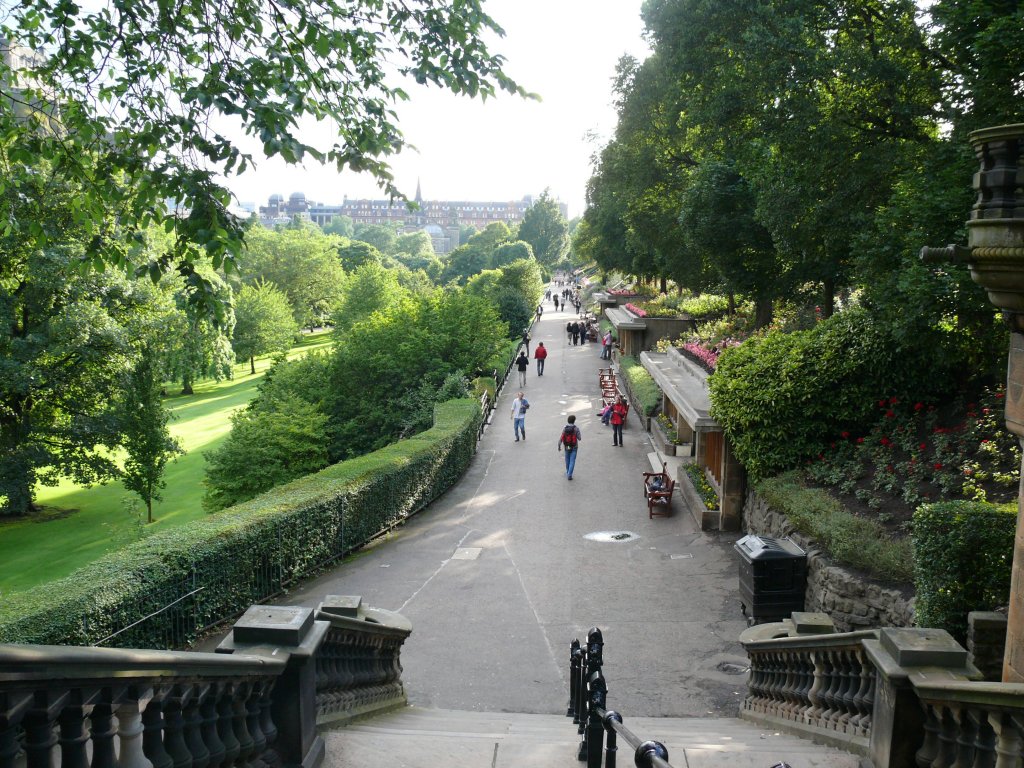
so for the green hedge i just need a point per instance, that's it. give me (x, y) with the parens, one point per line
(247, 552)
(641, 386)
(848, 539)
(780, 396)
(963, 551)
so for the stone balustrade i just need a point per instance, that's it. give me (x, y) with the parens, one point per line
(256, 703)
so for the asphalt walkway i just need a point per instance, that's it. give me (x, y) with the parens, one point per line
(503, 571)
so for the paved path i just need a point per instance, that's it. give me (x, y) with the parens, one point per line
(498, 576)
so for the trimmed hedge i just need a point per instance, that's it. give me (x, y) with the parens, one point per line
(963, 551)
(848, 539)
(248, 552)
(641, 386)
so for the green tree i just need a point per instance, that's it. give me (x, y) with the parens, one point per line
(144, 432)
(476, 255)
(546, 230)
(263, 322)
(370, 289)
(506, 253)
(383, 237)
(342, 226)
(356, 253)
(416, 244)
(197, 345)
(304, 264)
(174, 72)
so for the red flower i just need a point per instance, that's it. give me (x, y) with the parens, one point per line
(985, 442)
(821, 457)
(938, 465)
(893, 401)
(999, 395)
(831, 445)
(923, 446)
(968, 471)
(888, 468)
(860, 441)
(890, 414)
(881, 403)
(844, 435)
(886, 441)
(986, 411)
(918, 406)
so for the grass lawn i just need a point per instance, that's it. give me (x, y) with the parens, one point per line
(82, 524)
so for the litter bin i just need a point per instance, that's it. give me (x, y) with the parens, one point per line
(773, 578)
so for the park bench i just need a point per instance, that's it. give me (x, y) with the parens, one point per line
(658, 490)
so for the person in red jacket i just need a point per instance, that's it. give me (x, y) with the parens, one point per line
(618, 419)
(540, 354)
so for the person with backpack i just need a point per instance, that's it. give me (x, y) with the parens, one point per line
(522, 363)
(519, 408)
(570, 440)
(540, 354)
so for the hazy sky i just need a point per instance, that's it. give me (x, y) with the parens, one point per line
(506, 148)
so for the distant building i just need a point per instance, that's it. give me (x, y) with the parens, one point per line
(442, 220)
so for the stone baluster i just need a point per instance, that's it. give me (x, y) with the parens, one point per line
(161, 730)
(73, 738)
(40, 738)
(966, 737)
(947, 736)
(829, 688)
(175, 742)
(225, 725)
(129, 730)
(845, 694)
(864, 695)
(252, 724)
(787, 699)
(984, 739)
(103, 729)
(930, 745)
(806, 683)
(814, 715)
(1008, 740)
(267, 727)
(239, 724)
(12, 710)
(192, 713)
(211, 729)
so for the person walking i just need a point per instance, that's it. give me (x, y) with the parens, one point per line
(570, 440)
(618, 420)
(556, 302)
(574, 329)
(540, 354)
(606, 345)
(522, 363)
(526, 340)
(519, 408)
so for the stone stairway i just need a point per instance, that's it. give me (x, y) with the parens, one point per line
(414, 737)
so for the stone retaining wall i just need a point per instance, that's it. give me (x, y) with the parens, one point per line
(851, 601)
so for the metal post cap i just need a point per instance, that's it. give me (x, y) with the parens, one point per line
(646, 751)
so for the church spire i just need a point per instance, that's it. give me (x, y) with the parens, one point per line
(419, 195)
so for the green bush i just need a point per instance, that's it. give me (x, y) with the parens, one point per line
(963, 551)
(780, 396)
(848, 539)
(704, 306)
(641, 386)
(247, 552)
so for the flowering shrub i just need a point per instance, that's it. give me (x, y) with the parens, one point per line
(908, 455)
(705, 305)
(622, 292)
(636, 310)
(702, 486)
(671, 433)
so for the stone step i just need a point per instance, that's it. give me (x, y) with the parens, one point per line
(414, 737)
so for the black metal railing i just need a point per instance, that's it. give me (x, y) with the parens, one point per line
(588, 694)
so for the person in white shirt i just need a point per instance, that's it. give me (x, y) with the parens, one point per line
(519, 408)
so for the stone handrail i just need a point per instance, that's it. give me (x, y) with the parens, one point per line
(253, 704)
(135, 709)
(970, 724)
(901, 697)
(820, 685)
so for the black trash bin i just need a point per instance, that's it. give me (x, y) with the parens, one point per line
(773, 578)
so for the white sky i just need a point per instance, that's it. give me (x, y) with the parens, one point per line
(508, 147)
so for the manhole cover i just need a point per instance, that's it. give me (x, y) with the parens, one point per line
(611, 536)
(730, 668)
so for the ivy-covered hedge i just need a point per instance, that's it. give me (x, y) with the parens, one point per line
(247, 552)
(963, 551)
(848, 539)
(641, 386)
(780, 396)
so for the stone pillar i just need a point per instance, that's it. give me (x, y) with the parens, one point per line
(734, 489)
(292, 634)
(897, 720)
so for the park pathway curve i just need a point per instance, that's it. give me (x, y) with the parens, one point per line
(503, 571)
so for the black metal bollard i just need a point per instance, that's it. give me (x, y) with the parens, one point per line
(592, 661)
(595, 725)
(611, 744)
(575, 656)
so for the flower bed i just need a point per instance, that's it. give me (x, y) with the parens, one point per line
(702, 486)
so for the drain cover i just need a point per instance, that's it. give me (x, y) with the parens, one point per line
(611, 536)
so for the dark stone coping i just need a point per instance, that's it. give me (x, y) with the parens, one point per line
(685, 385)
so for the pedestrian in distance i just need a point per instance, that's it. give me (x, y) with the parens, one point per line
(519, 407)
(522, 363)
(570, 440)
(574, 329)
(540, 354)
(526, 340)
(606, 345)
(568, 330)
(556, 302)
(618, 419)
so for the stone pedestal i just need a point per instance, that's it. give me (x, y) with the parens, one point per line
(897, 721)
(293, 634)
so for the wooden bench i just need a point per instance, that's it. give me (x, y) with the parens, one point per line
(658, 489)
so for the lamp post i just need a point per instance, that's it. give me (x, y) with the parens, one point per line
(995, 255)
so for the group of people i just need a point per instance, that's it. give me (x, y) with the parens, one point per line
(579, 332)
(522, 363)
